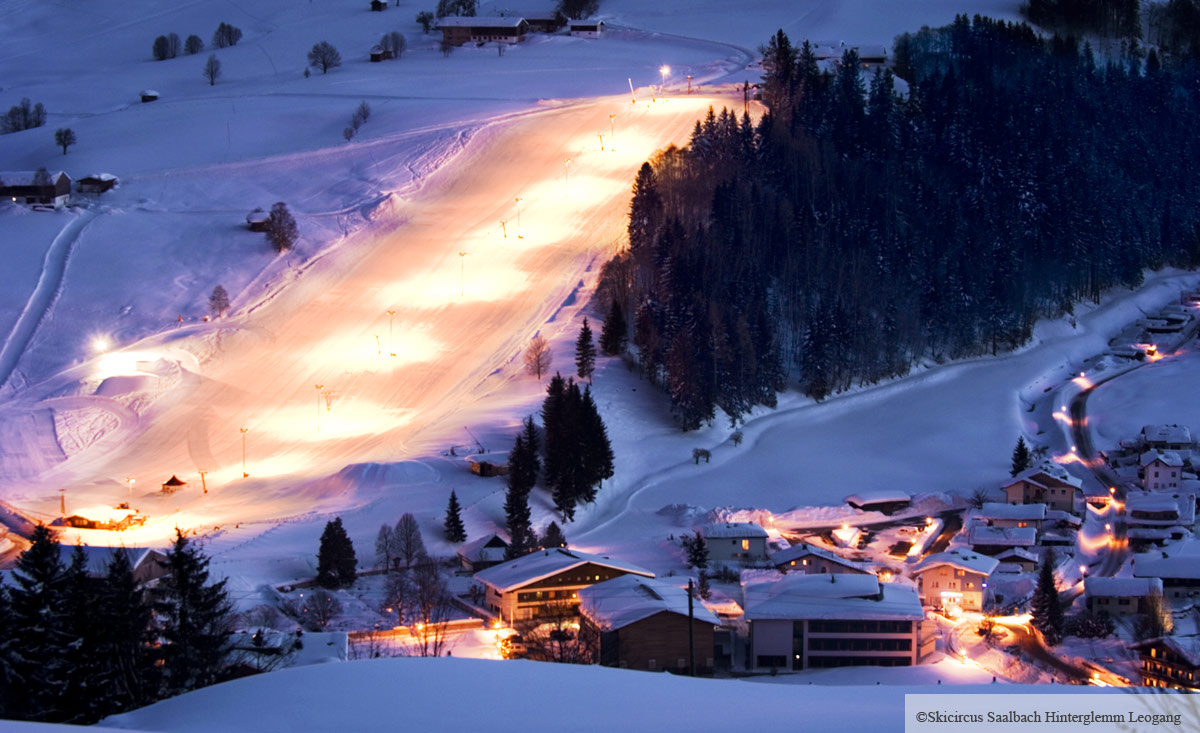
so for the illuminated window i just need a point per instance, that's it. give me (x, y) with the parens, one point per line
(745, 544)
(962, 573)
(802, 562)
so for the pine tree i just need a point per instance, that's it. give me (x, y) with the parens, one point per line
(218, 302)
(645, 213)
(523, 466)
(553, 537)
(553, 411)
(38, 612)
(455, 532)
(585, 353)
(281, 227)
(695, 548)
(1046, 609)
(614, 334)
(88, 686)
(520, 529)
(702, 587)
(10, 659)
(125, 615)
(1020, 457)
(195, 617)
(594, 448)
(336, 561)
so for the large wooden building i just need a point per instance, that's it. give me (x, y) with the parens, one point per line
(35, 187)
(458, 31)
(642, 623)
(1048, 484)
(543, 582)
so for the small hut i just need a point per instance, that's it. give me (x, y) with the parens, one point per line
(378, 54)
(489, 464)
(257, 220)
(378, 6)
(173, 484)
(149, 95)
(96, 183)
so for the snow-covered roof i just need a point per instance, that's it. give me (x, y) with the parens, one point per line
(496, 458)
(1003, 536)
(1017, 553)
(1182, 504)
(585, 23)
(24, 178)
(1167, 434)
(1166, 457)
(1019, 512)
(1151, 533)
(1010, 568)
(477, 550)
(98, 558)
(733, 530)
(871, 51)
(836, 596)
(99, 177)
(454, 21)
(174, 481)
(541, 565)
(1122, 587)
(1058, 515)
(961, 559)
(148, 93)
(878, 497)
(616, 603)
(1155, 565)
(1047, 469)
(1187, 647)
(258, 215)
(532, 14)
(795, 552)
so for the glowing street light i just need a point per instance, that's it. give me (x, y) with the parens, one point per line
(244, 431)
(391, 317)
(504, 227)
(129, 481)
(462, 273)
(519, 200)
(611, 134)
(100, 344)
(566, 175)
(664, 70)
(319, 388)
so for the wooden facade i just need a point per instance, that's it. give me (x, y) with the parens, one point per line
(1164, 666)
(545, 596)
(656, 643)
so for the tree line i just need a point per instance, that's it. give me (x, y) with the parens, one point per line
(854, 232)
(75, 648)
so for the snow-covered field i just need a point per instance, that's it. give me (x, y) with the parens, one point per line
(385, 219)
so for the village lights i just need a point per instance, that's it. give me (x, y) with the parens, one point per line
(319, 388)
(391, 317)
(129, 480)
(519, 200)
(462, 273)
(664, 70)
(566, 174)
(100, 344)
(611, 133)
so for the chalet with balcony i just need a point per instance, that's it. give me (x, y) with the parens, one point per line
(813, 560)
(955, 580)
(835, 620)
(458, 31)
(544, 582)
(735, 543)
(1120, 596)
(642, 623)
(1048, 484)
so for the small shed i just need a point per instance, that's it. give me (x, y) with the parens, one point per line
(96, 183)
(483, 553)
(173, 484)
(489, 464)
(378, 6)
(587, 28)
(884, 502)
(378, 54)
(257, 220)
(148, 95)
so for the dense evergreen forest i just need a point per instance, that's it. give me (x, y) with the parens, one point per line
(853, 232)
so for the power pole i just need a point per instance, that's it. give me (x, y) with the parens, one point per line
(691, 633)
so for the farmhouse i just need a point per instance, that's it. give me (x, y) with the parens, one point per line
(1048, 484)
(35, 187)
(642, 623)
(1120, 596)
(1166, 437)
(732, 543)
(1180, 574)
(1160, 470)
(955, 580)
(542, 582)
(807, 621)
(540, 21)
(810, 560)
(458, 31)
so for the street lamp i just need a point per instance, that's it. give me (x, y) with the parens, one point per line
(519, 200)
(611, 133)
(244, 431)
(391, 317)
(566, 175)
(319, 387)
(664, 70)
(129, 480)
(462, 273)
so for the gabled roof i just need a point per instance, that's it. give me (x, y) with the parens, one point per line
(961, 559)
(619, 602)
(1002, 536)
(796, 552)
(1167, 434)
(98, 558)
(454, 21)
(25, 178)
(878, 497)
(834, 597)
(174, 481)
(484, 548)
(1020, 512)
(1122, 587)
(733, 530)
(541, 565)
(1045, 474)
(1017, 553)
(1155, 565)
(1166, 457)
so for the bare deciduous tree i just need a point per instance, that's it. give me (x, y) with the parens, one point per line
(410, 546)
(212, 69)
(537, 357)
(324, 56)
